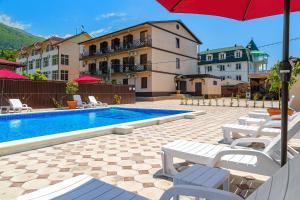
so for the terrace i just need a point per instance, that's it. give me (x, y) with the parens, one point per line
(106, 50)
(128, 161)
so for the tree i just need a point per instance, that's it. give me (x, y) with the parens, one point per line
(36, 76)
(8, 55)
(274, 81)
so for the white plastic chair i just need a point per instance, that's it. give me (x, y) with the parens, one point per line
(94, 102)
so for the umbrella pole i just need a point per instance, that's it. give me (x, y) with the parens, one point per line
(285, 73)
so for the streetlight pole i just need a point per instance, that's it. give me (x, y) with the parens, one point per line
(285, 74)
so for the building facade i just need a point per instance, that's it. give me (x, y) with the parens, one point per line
(149, 55)
(57, 58)
(236, 63)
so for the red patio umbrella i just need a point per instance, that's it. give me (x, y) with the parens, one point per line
(10, 74)
(247, 10)
(87, 79)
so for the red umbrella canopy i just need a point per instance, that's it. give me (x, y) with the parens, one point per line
(10, 74)
(234, 9)
(87, 79)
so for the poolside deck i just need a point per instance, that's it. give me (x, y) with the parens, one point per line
(129, 161)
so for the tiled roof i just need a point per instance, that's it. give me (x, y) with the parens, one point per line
(7, 62)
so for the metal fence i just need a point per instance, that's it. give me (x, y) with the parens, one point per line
(43, 94)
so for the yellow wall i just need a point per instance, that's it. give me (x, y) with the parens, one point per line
(295, 91)
(208, 88)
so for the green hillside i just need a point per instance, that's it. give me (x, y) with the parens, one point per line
(13, 38)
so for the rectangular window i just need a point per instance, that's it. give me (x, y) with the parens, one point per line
(64, 59)
(238, 77)
(55, 75)
(209, 68)
(238, 54)
(45, 62)
(144, 82)
(177, 63)
(64, 75)
(30, 64)
(143, 36)
(38, 63)
(54, 59)
(199, 70)
(238, 66)
(125, 81)
(222, 56)
(215, 82)
(222, 78)
(222, 67)
(209, 58)
(177, 43)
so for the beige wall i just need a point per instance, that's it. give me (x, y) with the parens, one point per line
(295, 90)
(208, 88)
(167, 41)
(163, 82)
(71, 48)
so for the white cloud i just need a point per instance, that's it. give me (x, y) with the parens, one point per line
(7, 20)
(100, 31)
(55, 35)
(110, 15)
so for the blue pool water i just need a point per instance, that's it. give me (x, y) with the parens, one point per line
(21, 126)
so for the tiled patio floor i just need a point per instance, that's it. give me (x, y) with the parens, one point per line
(129, 161)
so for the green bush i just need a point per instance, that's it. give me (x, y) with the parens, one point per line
(72, 87)
(117, 99)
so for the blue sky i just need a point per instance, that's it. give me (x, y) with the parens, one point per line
(62, 17)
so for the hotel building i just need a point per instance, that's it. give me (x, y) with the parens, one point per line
(57, 58)
(149, 55)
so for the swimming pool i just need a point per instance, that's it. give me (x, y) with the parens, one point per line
(23, 126)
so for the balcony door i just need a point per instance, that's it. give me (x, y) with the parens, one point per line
(92, 50)
(103, 47)
(115, 44)
(92, 69)
(143, 61)
(143, 36)
(128, 41)
(115, 65)
(103, 67)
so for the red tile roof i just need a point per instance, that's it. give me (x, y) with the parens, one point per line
(7, 62)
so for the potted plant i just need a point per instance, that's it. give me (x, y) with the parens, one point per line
(71, 89)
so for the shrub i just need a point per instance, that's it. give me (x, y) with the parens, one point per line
(255, 100)
(117, 99)
(72, 87)
(238, 100)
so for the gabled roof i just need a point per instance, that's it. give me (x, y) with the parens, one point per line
(147, 23)
(219, 50)
(73, 36)
(252, 46)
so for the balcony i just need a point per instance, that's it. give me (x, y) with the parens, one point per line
(135, 44)
(131, 69)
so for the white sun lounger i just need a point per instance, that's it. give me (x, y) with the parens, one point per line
(243, 159)
(17, 106)
(270, 128)
(284, 184)
(95, 103)
(80, 103)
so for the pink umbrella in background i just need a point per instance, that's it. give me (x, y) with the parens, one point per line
(247, 10)
(5, 73)
(87, 79)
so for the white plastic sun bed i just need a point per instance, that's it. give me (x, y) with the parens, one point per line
(95, 103)
(270, 128)
(243, 159)
(80, 103)
(284, 184)
(17, 106)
